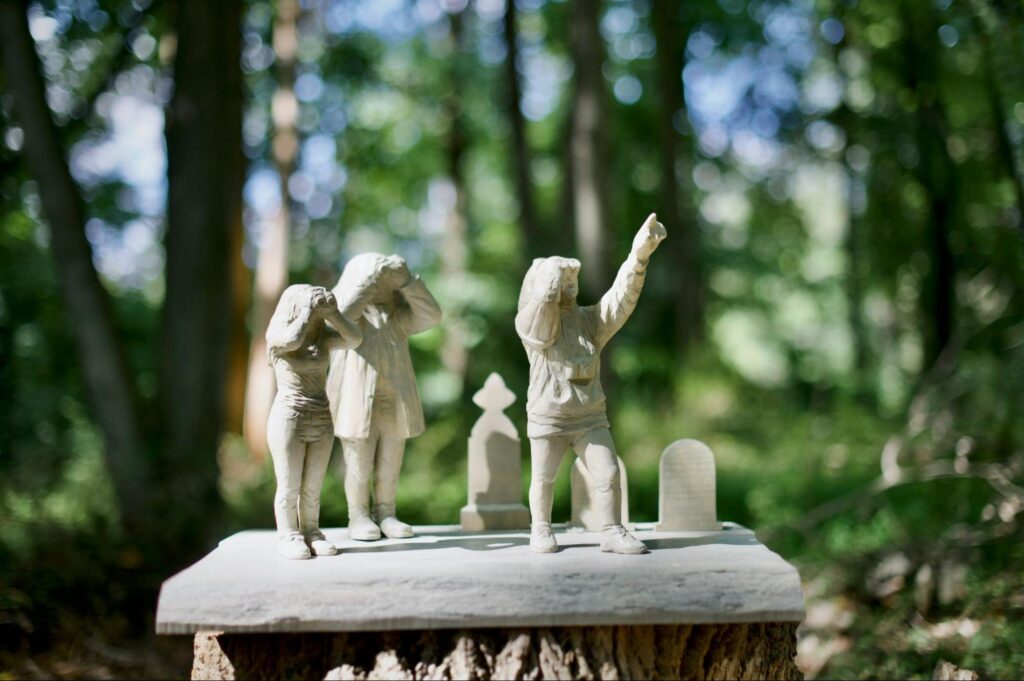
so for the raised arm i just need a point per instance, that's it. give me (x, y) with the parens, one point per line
(420, 310)
(340, 333)
(287, 337)
(539, 322)
(619, 302)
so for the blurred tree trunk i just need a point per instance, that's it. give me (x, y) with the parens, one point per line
(936, 171)
(204, 210)
(272, 263)
(563, 238)
(855, 278)
(589, 148)
(846, 119)
(455, 247)
(238, 344)
(108, 381)
(1000, 30)
(6, 378)
(1006, 148)
(671, 34)
(520, 147)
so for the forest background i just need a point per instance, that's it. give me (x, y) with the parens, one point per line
(836, 311)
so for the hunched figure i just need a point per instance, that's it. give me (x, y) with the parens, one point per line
(305, 328)
(372, 388)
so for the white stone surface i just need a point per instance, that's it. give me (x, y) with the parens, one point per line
(686, 487)
(581, 485)
(446, 578)
(495, 464)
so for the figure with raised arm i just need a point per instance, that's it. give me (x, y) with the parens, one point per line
(565, 404)
(372, 388)
(305, 327)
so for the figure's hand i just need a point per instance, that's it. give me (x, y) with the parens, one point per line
(550, 280)
(552, 277)
(647, 239)
(395, 273)
(321, 300)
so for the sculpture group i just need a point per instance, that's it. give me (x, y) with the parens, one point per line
(343, 368)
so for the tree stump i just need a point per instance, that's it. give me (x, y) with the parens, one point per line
(700, 651)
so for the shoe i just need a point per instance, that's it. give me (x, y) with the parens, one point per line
(319, 545)
(542, 538)
(363, 529)
(617, 540)
(293, 547)
(393, 528)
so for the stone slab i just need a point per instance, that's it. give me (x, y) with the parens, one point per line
(445, 578)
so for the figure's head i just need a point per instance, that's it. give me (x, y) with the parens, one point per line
(542, 273)
(295, 299)
(367, 280)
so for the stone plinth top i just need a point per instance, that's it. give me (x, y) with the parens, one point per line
(447, 578)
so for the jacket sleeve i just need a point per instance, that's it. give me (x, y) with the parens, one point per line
(341, 333)
(539, 322)
(420, 311)
(619, 302)
(289, 338)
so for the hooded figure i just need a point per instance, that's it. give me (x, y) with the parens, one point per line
(565, 404)
(374, 403)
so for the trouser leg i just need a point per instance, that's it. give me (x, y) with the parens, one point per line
(318, 455)
(358, 472)
(546, 454)
(596, 450)
(288, 453)
(390, 451)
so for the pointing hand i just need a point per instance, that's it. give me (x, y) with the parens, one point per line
(647, 239)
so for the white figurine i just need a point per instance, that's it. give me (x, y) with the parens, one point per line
(565, 404)
(372, 388)
(299, 341)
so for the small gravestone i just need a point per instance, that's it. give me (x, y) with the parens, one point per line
(495, 466)
(581, 484)
(686, 497)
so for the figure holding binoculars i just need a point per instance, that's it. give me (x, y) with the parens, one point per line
(565, 402)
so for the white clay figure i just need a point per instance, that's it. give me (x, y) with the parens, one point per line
(372, 388)
(565, 404)
(305, 327)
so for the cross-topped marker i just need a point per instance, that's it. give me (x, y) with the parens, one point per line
(494, 395)
(495, 466)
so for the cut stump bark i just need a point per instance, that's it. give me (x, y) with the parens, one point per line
(699, 651)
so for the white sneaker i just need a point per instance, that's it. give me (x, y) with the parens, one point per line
(393, 528)
(542, 538)
(319, 545)
(617, 540)
(363, 529)
(293, 547)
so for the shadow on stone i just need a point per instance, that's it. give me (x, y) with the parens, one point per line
(494, 543)
(684, 542)
(498, 542)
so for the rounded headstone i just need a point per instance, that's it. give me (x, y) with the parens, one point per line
(686, 499)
